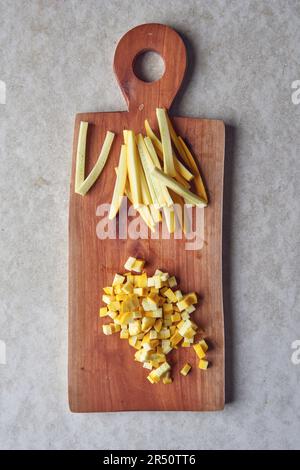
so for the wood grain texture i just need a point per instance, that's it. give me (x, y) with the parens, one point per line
(102, 373)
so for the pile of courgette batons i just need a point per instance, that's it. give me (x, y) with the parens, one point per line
(154, 175)
(154, 316)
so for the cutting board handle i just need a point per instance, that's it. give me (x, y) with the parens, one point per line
(140, 95)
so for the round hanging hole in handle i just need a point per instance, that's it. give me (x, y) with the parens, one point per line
(149, 66)
(168, 44)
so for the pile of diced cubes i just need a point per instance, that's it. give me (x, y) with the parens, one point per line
(154, 316)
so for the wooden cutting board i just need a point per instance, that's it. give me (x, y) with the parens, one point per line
(102, 373)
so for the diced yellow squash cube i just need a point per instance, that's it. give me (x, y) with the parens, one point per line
(184, 326)
(175, 317)
(163, 290)
(185, 315)
(153, 290)
(121, 297)
(141, 355)
(147, 365)
(158, 325)
(110, 329)
(178, 294)
(132, 340)
(147, 323)
(157, 357)
(172, 281)
(154, 343)
(127, 288)
(190, 309)
(176, 338)
(150, 282)
(134, 328)
(154, 364)
(199, 350)
(107, 329)
(203, 364)
(136, 315)
(164, 333)
(138, 345)
(146, 338)
(167, 379)
(190, 333)
(124, 334)
(118, 279)
(130, 263)
(140, 291)
(153, 378)
(154, 313)
(153, 334)
(108, 290)
(170, 295)
(147, 307)
(187, 300)
(186, 368)
(161, 370)
(167, 322)
(114, 306)
(173, 328)
(166, 346)
(203, 345)
(153, 299)
(141, 280)
(191, 298)
(112, 314)
(124, 318)
(158, 272)
(131, 304)
(118, 289)
(108, 298)
(185, 344)
(138, 266)
(103, 312)
(157, 282)
(167, 308)
(130, 278)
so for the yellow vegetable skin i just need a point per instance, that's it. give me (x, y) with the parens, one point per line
(182, 174)
(178, 188)
(120, 184)
(133, 172)
(83, 186)
(197, 179)
(169, 166)
(203, 364)
(162, 192)
(80, 156)
(142, 210)
(186, 369)
(199, 351)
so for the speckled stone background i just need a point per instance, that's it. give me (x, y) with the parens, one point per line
(56, 60)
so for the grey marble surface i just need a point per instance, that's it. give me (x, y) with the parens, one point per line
(56, 60)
